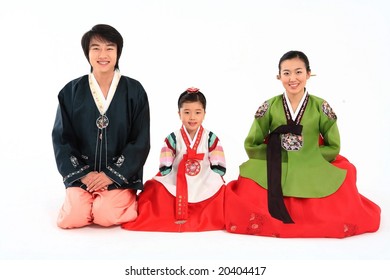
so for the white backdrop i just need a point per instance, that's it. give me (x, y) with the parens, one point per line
(230, 50)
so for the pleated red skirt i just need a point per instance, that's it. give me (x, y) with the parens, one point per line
(156, 212)
(341, 214)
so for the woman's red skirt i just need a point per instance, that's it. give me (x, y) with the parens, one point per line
(341, 214)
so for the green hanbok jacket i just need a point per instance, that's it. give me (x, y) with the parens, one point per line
(306, 172)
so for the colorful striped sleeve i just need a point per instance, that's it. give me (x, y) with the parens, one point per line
(216, 155)
(167, 155)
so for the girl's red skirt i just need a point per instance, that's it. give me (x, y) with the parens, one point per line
(156, 208)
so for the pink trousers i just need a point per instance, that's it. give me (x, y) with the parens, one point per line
(105, 208)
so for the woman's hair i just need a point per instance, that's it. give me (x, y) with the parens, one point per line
(295, 54)
(191, 95)
(105, 33)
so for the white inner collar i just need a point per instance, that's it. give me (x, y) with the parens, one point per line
(192, 141)
(292, 113)
(101, 102)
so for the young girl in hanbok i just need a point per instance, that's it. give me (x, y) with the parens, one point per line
(188, 192)
(295, 183)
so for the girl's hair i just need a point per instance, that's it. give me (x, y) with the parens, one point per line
(191, 95)
(295, 54)
(105, 33)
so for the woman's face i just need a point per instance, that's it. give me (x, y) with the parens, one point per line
(293, 76)
(102, 56)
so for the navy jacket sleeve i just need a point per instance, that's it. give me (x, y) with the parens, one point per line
(69, 161)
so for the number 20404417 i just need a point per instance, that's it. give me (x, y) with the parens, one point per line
(238, 270)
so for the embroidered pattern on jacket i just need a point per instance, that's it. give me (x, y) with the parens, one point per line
(74, 161)
(120, 161)
(328, 111)
(291, 142)
(262, 110)
(75, 173)
(118, 174)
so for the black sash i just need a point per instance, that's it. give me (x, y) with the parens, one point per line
(276, 206)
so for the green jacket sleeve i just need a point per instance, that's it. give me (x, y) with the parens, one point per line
(330, 132)
(255, 142)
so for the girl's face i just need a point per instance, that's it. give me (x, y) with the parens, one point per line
(102, 56)
(192, 115)
(293, 76)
